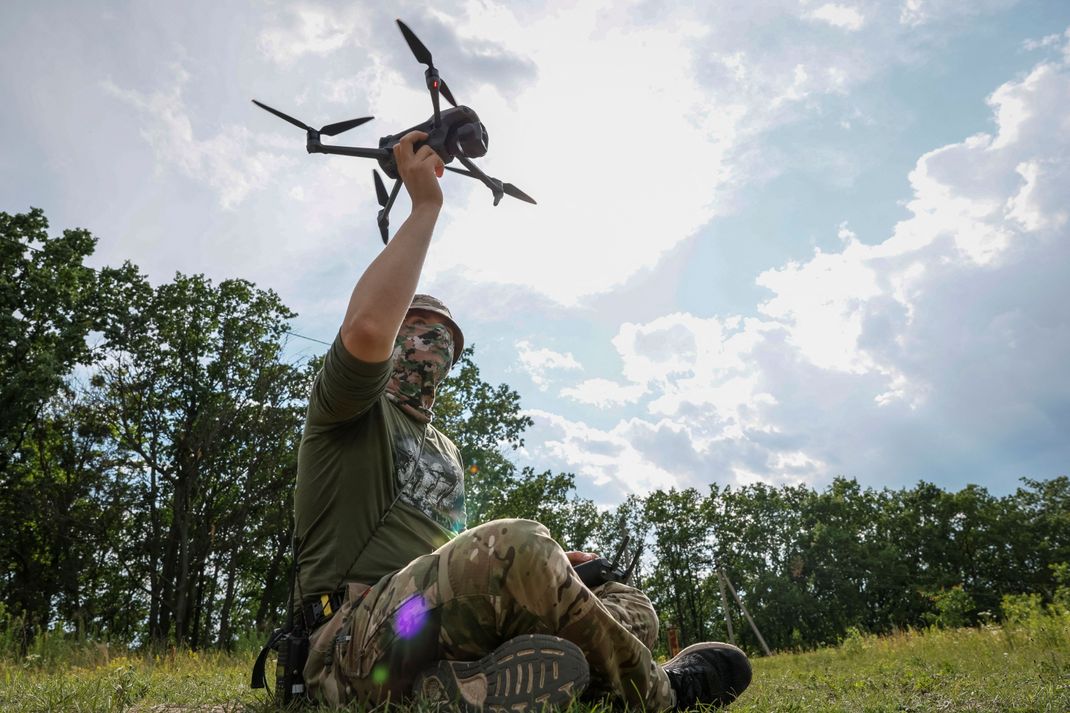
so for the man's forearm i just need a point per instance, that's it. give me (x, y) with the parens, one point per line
(385, 290)
(383, 293)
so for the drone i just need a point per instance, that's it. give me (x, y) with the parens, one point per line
(453, 133)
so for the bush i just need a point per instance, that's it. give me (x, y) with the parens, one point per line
(954, 608)
(1019, 609)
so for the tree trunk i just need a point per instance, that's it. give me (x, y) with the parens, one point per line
(271, 578)
(182, 578)
(228, 603)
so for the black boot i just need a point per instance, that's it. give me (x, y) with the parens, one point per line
(710, 672)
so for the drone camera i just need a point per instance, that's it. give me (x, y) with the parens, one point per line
(471, 140)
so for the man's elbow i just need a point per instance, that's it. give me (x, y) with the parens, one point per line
(368, 340)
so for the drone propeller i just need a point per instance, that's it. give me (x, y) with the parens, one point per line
(387, 202)
(328, 130)
(435, 84)
(380, 189)
(507, 188)
(511, 190)
(335, 129)
(423, 55)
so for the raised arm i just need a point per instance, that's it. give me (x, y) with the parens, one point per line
(383, 293)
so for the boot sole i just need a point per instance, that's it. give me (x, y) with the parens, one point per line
(523, 675)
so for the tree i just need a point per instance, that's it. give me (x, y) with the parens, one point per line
(48, 304)
(682, 560)
(206, 416)
(483, 421)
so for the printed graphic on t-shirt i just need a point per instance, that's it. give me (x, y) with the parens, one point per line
(435, 487)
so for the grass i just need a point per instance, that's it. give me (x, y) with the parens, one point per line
(1016, 669)
(1021, 669)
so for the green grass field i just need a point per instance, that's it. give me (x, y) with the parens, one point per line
(1023, 668)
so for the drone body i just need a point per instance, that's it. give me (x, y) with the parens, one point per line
(456, 133)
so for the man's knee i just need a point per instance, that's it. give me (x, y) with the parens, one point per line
(501, 548)
(523, 537)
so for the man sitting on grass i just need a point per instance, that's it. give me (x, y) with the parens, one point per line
(401, 599)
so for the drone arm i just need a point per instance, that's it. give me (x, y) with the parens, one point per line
(432, 86)
(358, 151)
(508, 188)
(475, 172)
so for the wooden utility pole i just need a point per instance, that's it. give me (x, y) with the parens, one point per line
(674, 641)
(746, 613)
(724, 607)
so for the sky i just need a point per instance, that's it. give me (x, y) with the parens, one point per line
(776, 241)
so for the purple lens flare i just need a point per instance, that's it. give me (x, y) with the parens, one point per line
(410, 617)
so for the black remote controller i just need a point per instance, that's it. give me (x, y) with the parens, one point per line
(599, 571)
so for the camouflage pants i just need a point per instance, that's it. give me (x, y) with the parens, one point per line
(487, 585)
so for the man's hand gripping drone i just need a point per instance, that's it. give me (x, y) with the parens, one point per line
(455, 133)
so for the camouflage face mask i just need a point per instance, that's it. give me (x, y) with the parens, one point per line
(423, 354)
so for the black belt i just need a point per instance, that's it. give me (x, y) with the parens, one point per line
(320, 610)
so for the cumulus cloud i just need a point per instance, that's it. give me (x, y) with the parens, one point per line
(540, 363)
(910, 358)
(605, 457)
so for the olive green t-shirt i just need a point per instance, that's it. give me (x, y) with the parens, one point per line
(375, 488)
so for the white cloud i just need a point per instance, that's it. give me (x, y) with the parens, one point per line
(912, 12)
(842, 16)
(604, 393)
(674, 105)
(606, 457)
(539, 363)
(303, 30)
(1046, 41)
(233, 162)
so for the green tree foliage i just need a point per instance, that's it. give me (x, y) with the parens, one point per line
(682, 537)
(953, 608)
(49, 302)
(485, 422)
(205, 418)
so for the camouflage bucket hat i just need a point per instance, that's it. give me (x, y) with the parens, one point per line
(427, 303)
